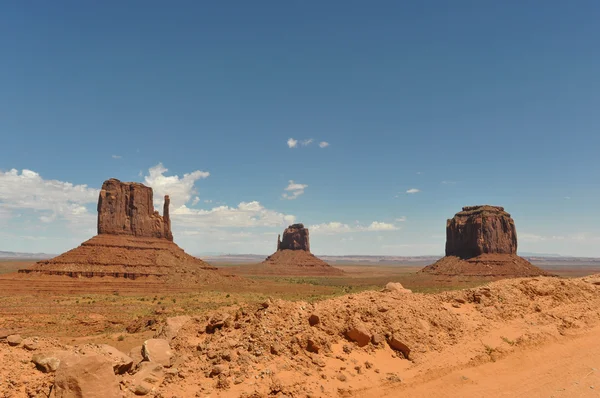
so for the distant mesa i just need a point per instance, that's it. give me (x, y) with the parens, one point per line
(133, 240)
(482, 241)
(293, 255)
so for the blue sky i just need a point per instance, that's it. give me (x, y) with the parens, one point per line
(468, 102)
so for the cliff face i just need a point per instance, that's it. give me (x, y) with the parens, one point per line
(478, 230)
(126, 208)
(295, 237)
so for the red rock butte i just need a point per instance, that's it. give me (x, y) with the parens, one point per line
(482, 241)
(133, 240)
(293, 255)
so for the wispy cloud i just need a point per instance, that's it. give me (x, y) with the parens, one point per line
(401, 219)
(567, 197)
(294, 190)
(335, 227)
(323, 144)
(116, 156)
(448, 182)
(307, 142)
(292, 143)
(413, 190)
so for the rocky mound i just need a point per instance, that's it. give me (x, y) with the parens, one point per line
(482, 241)
(293, 255)
(133, 240)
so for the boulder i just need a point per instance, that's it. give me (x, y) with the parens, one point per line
(86, 376)
(295, 237)
(127, 208)
(121, 363)
(359, 333)
(148, 377)
(479, 230)
(158, 351)
(48, 362)
(14, 340)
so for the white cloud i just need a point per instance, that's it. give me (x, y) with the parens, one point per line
(401, 219)
(246, 214)
(292, 143)
(294, 190)
(338, 227)
(381, 226)
(180, 190)
(413, 190)
(117, 156)
(195, 201)
(323, 144)
(52, 199)
(207, 200)
(307, 142)
(448, 182)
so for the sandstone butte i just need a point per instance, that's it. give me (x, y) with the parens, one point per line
(133, 240)
(293, 255)
(482, 241)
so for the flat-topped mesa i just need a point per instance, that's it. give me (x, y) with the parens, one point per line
(478, 230)
(126, 208)
(295, 237)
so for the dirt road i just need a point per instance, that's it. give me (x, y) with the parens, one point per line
(569, 367)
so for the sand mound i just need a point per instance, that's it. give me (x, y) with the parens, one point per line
(126, 256)
(484, 265)
(293, 262)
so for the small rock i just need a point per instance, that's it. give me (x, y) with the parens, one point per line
(312, 346)
(142, 388)
(398, 345)
(14, 340)
(46, 362)
(314, 320)
(276, 349)
(217, 322)
(377, 339)
(359, 334)
(4, 333)
(342, 377)
(30, 344)
(217, 370)
(226, 356)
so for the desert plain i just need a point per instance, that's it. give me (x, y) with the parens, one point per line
(468, 336)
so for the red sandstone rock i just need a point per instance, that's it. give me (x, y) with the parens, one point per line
(480, 230)
(482, 241)
(126, 208)
(295, 237)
